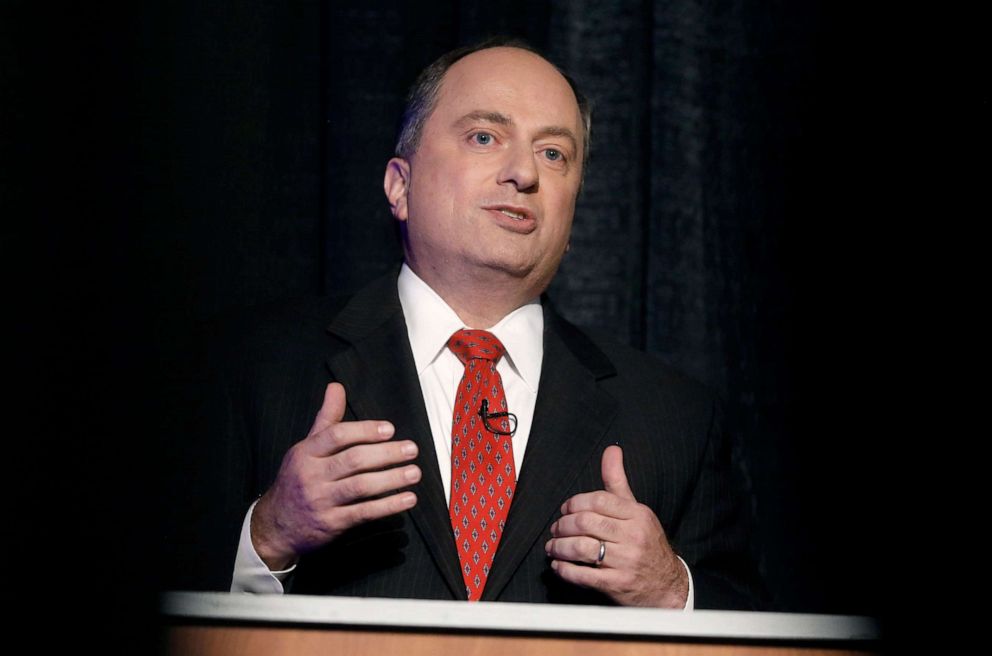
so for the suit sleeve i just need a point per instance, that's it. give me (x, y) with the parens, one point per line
(714, 534)
(208, 483)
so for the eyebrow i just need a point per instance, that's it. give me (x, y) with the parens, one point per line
(489, 117)
(504, 120)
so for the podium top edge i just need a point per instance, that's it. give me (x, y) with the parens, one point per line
(406, 614)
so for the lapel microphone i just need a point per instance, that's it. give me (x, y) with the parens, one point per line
(485, 415)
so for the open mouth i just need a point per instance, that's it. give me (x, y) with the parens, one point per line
(519, 216)
(513, 218)
(515, 212)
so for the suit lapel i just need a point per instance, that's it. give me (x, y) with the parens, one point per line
(571, 420)
(380, 379)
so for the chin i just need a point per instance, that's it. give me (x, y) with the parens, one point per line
(509, 266)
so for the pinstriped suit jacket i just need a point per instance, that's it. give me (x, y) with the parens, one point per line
(590, 396)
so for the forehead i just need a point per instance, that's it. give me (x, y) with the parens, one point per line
(513, 82)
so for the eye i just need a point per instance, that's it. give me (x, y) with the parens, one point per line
(554, 155)
(482, 138)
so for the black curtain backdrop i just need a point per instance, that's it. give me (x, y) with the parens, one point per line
(187, 160)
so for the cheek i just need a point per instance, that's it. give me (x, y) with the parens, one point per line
(563, 211)
(436, 211)
(444, 191)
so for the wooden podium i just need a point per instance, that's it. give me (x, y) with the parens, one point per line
(219, 623)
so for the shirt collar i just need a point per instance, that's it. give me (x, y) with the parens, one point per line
(430, 322)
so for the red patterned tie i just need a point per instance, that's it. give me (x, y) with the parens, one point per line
(482, 471)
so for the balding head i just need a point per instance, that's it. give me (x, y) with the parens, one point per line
(422, 97)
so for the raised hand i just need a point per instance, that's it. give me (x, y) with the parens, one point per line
(638, 566)
(325, 482)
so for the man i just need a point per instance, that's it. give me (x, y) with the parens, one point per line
(365, 500)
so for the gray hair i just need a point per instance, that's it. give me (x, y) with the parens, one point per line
(422, 98)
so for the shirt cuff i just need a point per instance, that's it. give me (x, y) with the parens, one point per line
(251, 574)
(690, 600)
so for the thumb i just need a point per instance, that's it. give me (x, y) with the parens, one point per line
(332, 410)
(614, 476)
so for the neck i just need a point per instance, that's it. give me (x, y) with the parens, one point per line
(480, 299)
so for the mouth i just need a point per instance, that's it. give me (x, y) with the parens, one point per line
(519, 216)
(516, 219)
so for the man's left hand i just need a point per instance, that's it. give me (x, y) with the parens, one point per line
(639, 567)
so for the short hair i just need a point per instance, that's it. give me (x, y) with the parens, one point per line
(422, 98)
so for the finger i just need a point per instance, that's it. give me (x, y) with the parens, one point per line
(361, 486)
(369, 457)
(366, 511)
(339, 436)
(585, 550)
(587, 577)
(601, 502)
(588, 524)
(577, 549)
(614, 476)
(331, 410)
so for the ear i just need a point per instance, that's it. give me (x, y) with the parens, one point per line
(396, 185)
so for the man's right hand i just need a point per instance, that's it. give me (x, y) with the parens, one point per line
(325, 480)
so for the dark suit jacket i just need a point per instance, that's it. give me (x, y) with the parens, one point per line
(590, 396)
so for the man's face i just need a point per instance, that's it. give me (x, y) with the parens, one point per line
(492, 185)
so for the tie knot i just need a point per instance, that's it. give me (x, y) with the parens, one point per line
(476, 344)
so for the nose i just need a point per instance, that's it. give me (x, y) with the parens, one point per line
(520, 169)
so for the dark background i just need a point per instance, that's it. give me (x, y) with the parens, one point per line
(168, 165)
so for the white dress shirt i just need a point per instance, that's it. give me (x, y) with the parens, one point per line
(430, 322)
